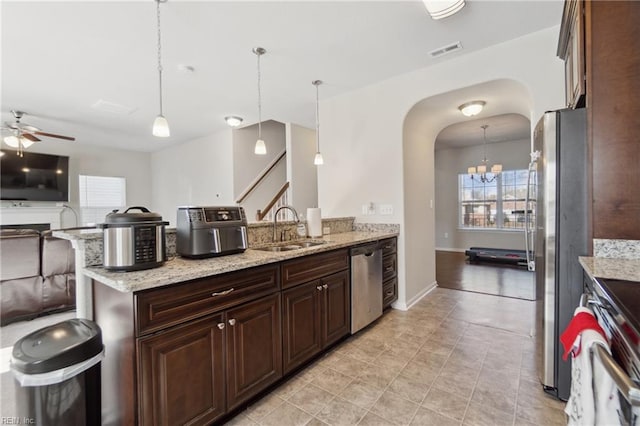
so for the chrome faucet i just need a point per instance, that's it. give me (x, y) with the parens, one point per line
(275, 219)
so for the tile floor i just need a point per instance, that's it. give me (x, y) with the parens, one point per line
(456, 358)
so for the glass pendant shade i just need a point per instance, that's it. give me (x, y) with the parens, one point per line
(260, 148)
(12, 141)
(471, 170)
(26, 143)
(161, 127)
(482, 169)
(496, 168)
(318, 160)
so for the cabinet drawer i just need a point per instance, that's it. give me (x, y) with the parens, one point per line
(389, 267)
(313, 267)
(160, 308)
(389, 292)
(389, 246)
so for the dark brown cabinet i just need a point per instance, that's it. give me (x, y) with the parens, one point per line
(571, 50)
(254, 348)
(181, 374)
(317, 313)
(613, 126)
(389, 271)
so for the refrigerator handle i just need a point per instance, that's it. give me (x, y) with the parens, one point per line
(528, 238)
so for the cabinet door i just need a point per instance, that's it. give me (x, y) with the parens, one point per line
(336, 322)
(254, 348)
(301, 324)
(181, 374)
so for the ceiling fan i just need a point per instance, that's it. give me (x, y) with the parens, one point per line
(23, 135)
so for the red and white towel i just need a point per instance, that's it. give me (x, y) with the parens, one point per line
(594, 397)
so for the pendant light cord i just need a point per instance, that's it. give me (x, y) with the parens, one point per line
(159, 55)
(258, 54)
(317, 83)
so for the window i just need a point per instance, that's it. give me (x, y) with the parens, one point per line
(499, 204)
(100, 195)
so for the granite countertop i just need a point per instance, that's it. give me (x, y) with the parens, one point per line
(181, 269)
(602, 267)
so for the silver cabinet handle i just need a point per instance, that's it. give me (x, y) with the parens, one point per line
(222, 293)
(232, 321)
(390, 293)
(325, 286)
(319, 287)
(221, 325)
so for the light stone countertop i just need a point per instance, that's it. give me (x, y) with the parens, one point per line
(181, 269)
(621, 269)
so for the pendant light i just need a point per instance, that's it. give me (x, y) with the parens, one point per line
(260, 148)
(318, 160)
(160, 124)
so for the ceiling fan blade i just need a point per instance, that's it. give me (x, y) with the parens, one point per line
(30, 137)
(51, 135)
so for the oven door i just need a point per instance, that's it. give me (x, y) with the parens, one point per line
(622, 364)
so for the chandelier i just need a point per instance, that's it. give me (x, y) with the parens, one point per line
(481, 169)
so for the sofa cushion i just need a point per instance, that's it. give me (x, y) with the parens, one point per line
(58, 257)
(58, 292)
(21, 299)
(20, 249)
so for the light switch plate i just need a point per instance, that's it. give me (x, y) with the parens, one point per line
(386, 209)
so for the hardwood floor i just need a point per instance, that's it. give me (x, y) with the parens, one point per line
(455, 272)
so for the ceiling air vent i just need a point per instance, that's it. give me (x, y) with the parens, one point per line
(446, 49)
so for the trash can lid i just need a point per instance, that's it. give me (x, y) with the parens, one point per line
(57, 346)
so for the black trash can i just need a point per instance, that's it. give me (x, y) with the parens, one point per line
(58, 370)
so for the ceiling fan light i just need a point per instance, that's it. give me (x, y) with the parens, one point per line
(318, 160)
(260, 148)
(472, 108)
(161, 127)
(439, 9)
(12, 141)
(26, 143)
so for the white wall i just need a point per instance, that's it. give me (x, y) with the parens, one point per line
(375, 151)
(198, 172)
(93, 160)
(247, 165)
(302, 173)
(513, 155)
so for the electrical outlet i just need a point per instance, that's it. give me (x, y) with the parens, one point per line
(386, 209)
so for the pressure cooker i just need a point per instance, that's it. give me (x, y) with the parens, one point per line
(133, 240)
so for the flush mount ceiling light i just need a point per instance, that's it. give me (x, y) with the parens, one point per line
(233, 120)
(260, 148)
(472, 108)
(318, 160)
(160, 124)
(439, 9)
(481, 169)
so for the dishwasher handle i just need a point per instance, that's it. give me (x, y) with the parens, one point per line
(365, 249)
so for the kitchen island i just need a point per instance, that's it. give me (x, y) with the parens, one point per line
(193, 341)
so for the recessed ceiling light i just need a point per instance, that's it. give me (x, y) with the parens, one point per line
(233, 120)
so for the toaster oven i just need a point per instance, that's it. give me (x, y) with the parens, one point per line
(203, 232)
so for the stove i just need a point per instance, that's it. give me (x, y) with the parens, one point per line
(616, 304)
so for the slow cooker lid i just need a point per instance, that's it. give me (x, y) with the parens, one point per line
(144, 215)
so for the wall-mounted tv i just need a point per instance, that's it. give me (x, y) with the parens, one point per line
(34, 177)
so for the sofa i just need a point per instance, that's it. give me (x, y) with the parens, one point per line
(37, 274)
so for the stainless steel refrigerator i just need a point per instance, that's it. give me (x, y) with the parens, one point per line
(560, 235)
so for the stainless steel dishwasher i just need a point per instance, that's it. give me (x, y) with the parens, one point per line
(366, 285)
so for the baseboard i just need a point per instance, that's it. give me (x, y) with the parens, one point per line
(456, 250)
(415, 299)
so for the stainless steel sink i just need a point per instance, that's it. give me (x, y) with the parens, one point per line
(291, 245)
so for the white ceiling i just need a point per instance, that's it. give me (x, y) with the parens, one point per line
(60, 58)
(500, 128)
